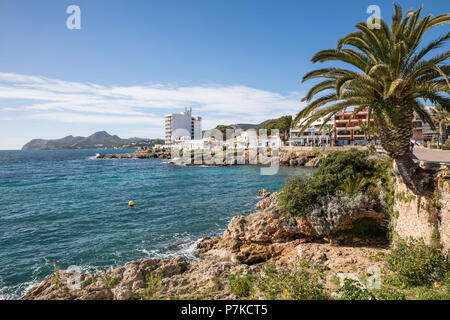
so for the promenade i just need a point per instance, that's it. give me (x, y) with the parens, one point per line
(423, 154)
(434, 155)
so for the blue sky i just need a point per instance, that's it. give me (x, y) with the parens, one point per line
(134, 61)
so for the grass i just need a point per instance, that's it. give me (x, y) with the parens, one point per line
(304, 281)
(353, 290)
(152, 291)
(241, 285)
(414, 271)
(415, 263)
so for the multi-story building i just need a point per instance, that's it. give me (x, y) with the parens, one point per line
(422, 131)
(182, 126)
(312, 136)
(348, 130)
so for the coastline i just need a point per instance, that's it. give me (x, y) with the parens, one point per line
(249, 245)
(71, 203)
(207, 276)
(287, 156)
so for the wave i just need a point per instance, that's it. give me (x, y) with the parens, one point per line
(15, 292)
(93, 157)
(185, 248)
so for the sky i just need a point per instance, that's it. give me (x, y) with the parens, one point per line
(132, 62)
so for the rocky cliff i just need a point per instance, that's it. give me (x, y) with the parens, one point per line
(426, 219)
(267, 234)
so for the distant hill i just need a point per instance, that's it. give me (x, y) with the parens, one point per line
(101, 139)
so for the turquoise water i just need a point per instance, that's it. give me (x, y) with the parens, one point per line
(68, 206)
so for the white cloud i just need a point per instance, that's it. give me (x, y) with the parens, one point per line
(63, 101)
(68, 117)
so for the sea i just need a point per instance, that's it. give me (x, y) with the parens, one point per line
(68, 206)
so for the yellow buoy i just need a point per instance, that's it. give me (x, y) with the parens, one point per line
(131, 203)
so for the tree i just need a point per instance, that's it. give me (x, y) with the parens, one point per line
(442, 119)
(223, 129)
(328, 129)
(391, 76)
(370, 130)
(364, 126)
(283, 124)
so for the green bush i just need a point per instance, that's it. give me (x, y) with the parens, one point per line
(241, 285)
(353, 290)
(415, 263)
(352, 186)
(446, 146)
(298, 195)
(352, 171)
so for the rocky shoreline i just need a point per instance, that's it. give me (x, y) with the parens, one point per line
(265, 236)
(136, 155)
(270, 237)
(287, 157)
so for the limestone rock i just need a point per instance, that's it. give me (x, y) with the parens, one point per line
(269, 202)
(315, 162)
(263, 193)
(254, 238)
(131, 278)
(122, 293)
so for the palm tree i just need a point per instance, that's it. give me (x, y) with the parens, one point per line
(442, 119)
(328, 129)
(353, 185)
(364, 126)
(391, 77)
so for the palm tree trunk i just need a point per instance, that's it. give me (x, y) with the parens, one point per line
(418, 180)
(396, 140)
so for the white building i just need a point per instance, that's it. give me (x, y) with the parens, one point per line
(250, 139)
(312, 136)
(182, 126)
(202, 144)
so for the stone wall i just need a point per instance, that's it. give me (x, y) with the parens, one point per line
(413, 219)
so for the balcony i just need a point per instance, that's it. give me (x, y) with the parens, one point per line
(342, 120)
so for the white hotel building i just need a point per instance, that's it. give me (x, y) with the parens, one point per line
(312, 136)
(182, 126)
